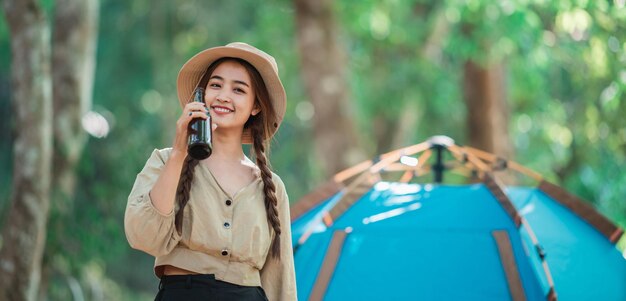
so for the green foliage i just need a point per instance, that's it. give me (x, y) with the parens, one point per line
(566, 77)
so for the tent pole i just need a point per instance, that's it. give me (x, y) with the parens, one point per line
(438, 167)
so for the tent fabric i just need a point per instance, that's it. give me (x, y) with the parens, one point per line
(436, 242)
(584, 264)
(583, 210)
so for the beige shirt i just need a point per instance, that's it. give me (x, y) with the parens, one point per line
(228, 236)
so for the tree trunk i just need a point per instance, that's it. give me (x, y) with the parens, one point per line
(24, 232)
(487, 113)
(324, 72)
(73, 66)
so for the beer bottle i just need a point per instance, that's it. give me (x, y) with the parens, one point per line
(199, 144)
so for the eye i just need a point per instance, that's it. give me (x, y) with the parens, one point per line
(214, 85)
(240, 90)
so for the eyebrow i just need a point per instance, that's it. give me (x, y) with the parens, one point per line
(236, 81)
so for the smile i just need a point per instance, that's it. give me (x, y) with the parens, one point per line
(222, 109)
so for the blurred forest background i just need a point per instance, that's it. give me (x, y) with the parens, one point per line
(87, 91)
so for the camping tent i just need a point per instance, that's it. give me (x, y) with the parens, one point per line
(362, 237)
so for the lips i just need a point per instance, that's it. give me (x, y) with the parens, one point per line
(221, 109)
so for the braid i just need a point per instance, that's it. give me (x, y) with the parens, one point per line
(271, 202)
(182, 192)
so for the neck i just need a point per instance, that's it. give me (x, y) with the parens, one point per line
(227, 146)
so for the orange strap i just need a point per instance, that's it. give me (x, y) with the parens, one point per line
(328, 266)
(510, 266)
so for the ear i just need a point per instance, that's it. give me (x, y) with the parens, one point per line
(255, 110)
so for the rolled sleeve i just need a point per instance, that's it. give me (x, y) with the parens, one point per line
(278, 276)
(146, 228)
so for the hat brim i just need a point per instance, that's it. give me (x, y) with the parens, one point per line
(192, 71)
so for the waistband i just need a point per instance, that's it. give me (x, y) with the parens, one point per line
(207, 284)
(186, 281)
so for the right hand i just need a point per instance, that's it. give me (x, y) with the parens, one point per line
(191, 111)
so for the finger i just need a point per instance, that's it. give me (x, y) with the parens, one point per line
(200, 109)
(195, 106)
(188, 110)
(193, 115)
(213, 126)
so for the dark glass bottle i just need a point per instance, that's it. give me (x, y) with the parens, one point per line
(199, 144)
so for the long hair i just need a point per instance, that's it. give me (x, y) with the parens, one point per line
(259, 126)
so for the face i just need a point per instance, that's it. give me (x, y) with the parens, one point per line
(230, 97)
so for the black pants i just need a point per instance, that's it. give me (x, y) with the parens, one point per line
(205, 287)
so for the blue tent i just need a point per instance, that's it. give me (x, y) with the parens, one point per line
(364, 237)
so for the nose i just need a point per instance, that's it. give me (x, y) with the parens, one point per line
(222, 97)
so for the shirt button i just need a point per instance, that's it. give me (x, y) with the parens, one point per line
(226, 225)
(228, 202)
(224, 252)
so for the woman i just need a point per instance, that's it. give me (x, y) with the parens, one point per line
(219, 228)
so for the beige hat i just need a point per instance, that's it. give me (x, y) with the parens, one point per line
(191, 72)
